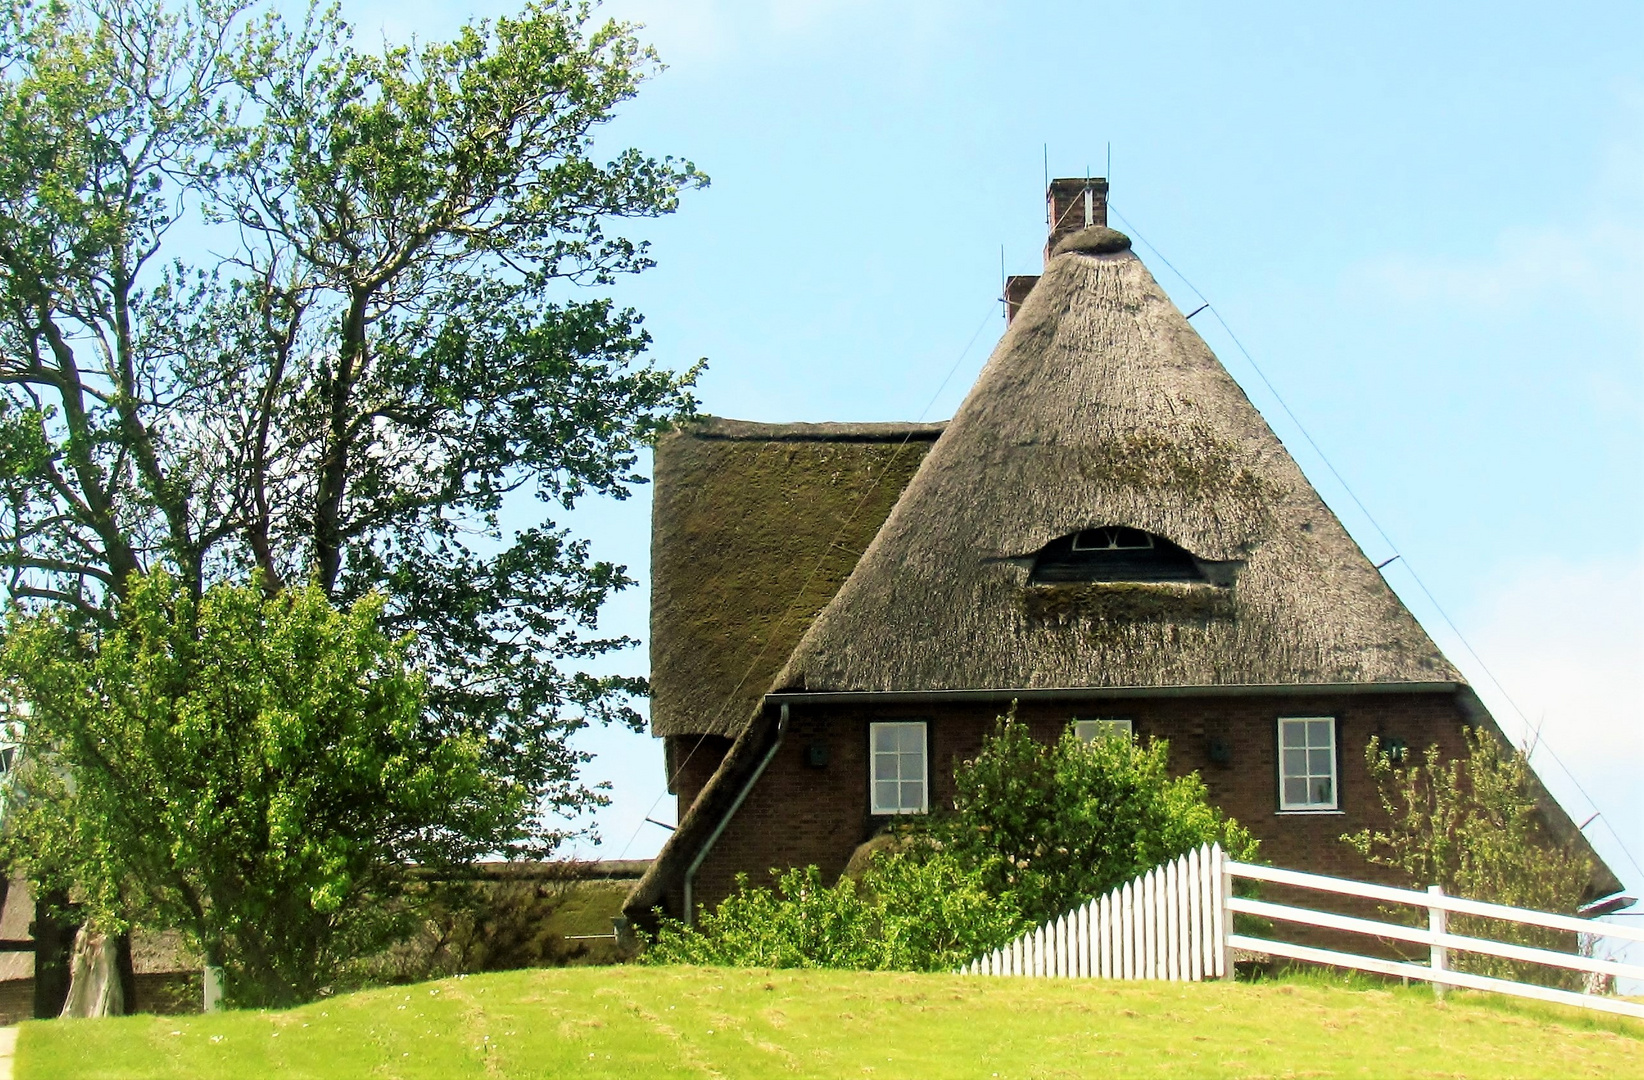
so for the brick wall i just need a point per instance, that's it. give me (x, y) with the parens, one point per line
(802, 812)
(691, 761)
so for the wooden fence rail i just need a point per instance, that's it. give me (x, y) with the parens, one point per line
(1175, 922)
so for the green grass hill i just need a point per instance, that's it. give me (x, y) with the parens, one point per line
(637, 1023)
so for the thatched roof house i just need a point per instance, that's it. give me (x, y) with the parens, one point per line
(1107, 531)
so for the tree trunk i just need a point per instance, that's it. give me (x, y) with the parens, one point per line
(94, 980)
(52, 938)
(127, 970)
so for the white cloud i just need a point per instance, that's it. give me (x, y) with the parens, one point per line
(1567, 641)
(1602, 265)
(1594, 258)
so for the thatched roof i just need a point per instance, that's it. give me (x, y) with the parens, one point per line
(1102, 406)
(754, 527)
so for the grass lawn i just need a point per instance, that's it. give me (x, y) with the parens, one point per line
(636, 1023)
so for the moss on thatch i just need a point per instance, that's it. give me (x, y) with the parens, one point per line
(1102, 406)
(1096, 240)
(1127, 601)
(755, 526)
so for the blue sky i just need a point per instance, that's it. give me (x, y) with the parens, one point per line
(1425, 222)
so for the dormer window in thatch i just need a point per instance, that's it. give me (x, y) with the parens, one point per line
(1113, 553)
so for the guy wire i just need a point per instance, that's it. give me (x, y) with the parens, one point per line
(1405, 559)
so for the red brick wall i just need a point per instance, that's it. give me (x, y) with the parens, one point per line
(691, 761)
(799, 814)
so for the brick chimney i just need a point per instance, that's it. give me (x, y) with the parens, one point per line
(1071, 204)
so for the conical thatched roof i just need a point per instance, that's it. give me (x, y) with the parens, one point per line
(1101, 406)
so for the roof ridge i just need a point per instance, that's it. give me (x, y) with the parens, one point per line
(719, 427)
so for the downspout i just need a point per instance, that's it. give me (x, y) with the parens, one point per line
(713, 837)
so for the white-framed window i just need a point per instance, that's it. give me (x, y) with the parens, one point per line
(1112, 538)
(900, 778)
(1091, 730)
(1307, 763)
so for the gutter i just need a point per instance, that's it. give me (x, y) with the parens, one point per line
(725, 819)
(1093, 693)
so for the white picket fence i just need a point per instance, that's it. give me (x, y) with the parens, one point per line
(1175, 922)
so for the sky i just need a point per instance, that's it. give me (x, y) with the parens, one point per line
(1424, 224)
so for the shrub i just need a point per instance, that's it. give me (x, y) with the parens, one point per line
(1052, 824)
(253, 772)
(904, 914)
(1472, 825)
(467, 926)
(1035, 828)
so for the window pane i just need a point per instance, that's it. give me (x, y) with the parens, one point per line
(1295, 732)
(1131, 538)
(1318, 733)
(884, 766)
(1322, 793)
(913, 738)
(1295, 763)
(913, 796)
(884, 737)
(913, 766)
(884, 796)
(1318, 762)
(1295, 791)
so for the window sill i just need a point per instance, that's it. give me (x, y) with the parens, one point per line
(1311, 813)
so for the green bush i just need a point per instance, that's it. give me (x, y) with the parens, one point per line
(253, 772)
(1052, 824)
(1035, 829)
(1472, 824)
(906, 913)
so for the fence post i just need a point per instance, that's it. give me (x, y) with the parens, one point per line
(1061, 947)
(1224, 914)
(1195, 917)
(1437, 923)
(212, 989)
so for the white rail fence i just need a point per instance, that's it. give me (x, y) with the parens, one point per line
(1175, 923)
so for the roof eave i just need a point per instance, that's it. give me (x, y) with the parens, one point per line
(1093, 693)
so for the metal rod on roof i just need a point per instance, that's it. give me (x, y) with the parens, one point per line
(1004, 296)
(1196, 310)
(1384, 562)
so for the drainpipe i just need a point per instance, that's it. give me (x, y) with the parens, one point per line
(713, 838)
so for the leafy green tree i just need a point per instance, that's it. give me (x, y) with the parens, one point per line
(254, 771)
(1053, 824)
(1473, 825)
(382, 353)
(903, 914)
